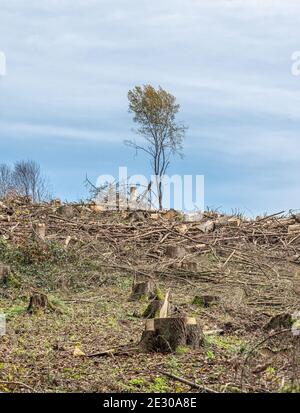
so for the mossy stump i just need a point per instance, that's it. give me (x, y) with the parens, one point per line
(38, 303)
(159, 306)
(205, 300)
(279, 321)
(142, 290)
(166, 335)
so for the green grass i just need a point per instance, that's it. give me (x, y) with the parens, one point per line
(231, 344)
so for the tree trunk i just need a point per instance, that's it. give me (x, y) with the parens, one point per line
(166, 335)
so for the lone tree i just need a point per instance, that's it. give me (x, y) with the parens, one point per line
(155, 113)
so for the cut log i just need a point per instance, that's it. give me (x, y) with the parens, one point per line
(67, 241)
(296, 217)
(166, 335)
(39, 232)
(143, 290)
(193, 217)
(4, 273)
(175, 251)
(96, 208)
(293, 229)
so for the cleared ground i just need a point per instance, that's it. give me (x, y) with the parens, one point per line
(250, 266)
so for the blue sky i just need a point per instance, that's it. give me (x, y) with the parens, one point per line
(70, 64)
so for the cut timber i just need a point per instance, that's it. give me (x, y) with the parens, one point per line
(166, 335)
(175, 251)
(39, 302)
(292, 229)
(97, 208)
(67, 241)
(39, 232)
(145, 289)
(225, 221)
(171, 214)
(296, 217)
(4, 274)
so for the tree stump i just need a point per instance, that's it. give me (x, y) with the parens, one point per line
(171, 215)
(279, 321)
(67, 211)
(39, 302)
(205, 300)
(166, 335)
(39, 232)
(4, 273)
(140, 290)
(296, 350)
(175, 251)
(207, 227)
(55, 202)
(159, 307)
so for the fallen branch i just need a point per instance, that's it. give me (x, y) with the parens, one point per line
(203, 388)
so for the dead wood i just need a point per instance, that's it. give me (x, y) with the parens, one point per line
(200, 387)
